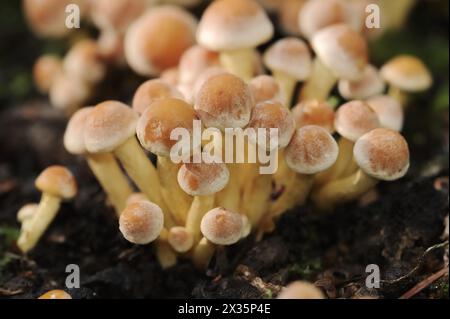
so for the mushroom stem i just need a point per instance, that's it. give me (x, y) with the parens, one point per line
(199, 207)
(320, 83)
(255, 204)
(399, 95)
(143, 173)
(165, 254)
(229, 197)
(238, 62)
(287, 86)
(44, 215)
(108, 173)
(203, 253)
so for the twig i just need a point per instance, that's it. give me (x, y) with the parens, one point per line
(424, 284)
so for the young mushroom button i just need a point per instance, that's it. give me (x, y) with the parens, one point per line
(369, 85)
(265, 88)
(301, 290)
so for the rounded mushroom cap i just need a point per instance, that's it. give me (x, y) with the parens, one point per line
(311, 150)
(288, 15)
(264, 88)
(369, 85)
(26, 212)
(222, 227)
(314, 112)
(301, 290)
(201, 179)
(57, 181)
(233, 25)
(153, 90)
(136, 197)
(205, 76)
(157, 40)
(110, 47)
(116, 15)
(171, 76)
(224, 101)
(407, 73)
(45, 70)
(343, 50)
(275, 115)
(141, 222)
(354, 119)
(56, 294)
(74, 134)
(290, 56)
(194, 61)
(383, 154)
(68, 93)
(159, 120)
(108, 126)
(389, 111)
(180, 239)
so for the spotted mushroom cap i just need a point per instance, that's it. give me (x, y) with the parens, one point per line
(370, 84)
(57, 181)
(222, 227)
(74, 134)
(389, 110)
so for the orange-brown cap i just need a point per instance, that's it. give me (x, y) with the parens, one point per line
(171, 76)
(275, 115)
(56, 294)
(108, 126)
(288, 12)
(110, 47)
(343, 50)
(45, 70)
(141, 222)
(194, 61)
(407, 73)
(234, 24)
(382, 154)
(157, 40)
(153, 90)
(205, 76)
(314, 112)
(311, 150)
(301, 290)
(370, 84)
(74, 134)
(222, 227)
(354, 119)
(180, 239)
(26, 212)
(57, 181)
(224, 101)
(159, 120)
(68, 93)
(389, 111)
(264, 88)
(290, 56)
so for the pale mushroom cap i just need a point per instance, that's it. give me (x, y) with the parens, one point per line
(56, 294)
(180, 239)
(222, 227)
(267, 115)
(57, 181)
(153, 90)
(26, 212)
(343, 50)
(382, 154)
(224, 101)
(288, 15)
(389, 110)
(136, 197)
(194, 61)
(354, 119)
(290, 56)
(116, 15)
(314, 112)
(369, 85)
(111, 47)
(301, 290)
(205, 76)
(407, 73)
(264, 88)
(171, 76)
(74, 134)
(109, 125)
(311, 150)
(233, 25)
(141, 222)
(203, 179)
(45, 70)
(157, 40)
(159, 120)
(68, 93)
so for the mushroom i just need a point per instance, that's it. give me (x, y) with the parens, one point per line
(369, 85)
(180, 239)
(289, 60)
(194, 61)
(205, 76)
(301, 290)
(111, 47)
(264, 88)
(45, 70)
(111, 128)
(55, 294)
(381, 154)
(341, 53)
(288, 12)
(171, 76)
(156, 41)
(103, 165)
(25, 215)
(314, 112)
(234, 28)
(389, 111)
(68, 93)
(56, 184)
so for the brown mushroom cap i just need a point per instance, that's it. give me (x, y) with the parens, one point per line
(311, 150)
(116, 15)
(369, 85)
(203, 179)
(159, 120)
(45, 70)
(57, 181)
(224, 101)
(314, 112)
(222, 227)
(153, 90)
(171, 76)
(288, 12)
(343, 50)
(389, 111)
(233, 25)
(157, 40)
(194, 61)
(205, 76)
(74, 134)
(290, 56)
(354, 119)
(141, 222)
(382, 154)
(407, 73)
(264, 88)
(269, 115)
(68, 93)
(108, 126)
(301, 290)
(180, 239)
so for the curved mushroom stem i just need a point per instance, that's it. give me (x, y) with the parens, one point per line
(287, 86)
(108, 173)
(44, 215)
(401, 96)
(199, 207)
(143, 173)
(165, 254)
(229, 197)
(203, 252)
(239, 62)
(320, 83)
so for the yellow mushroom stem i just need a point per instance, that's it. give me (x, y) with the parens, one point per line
(113, 181)
(320, 83)
(239, 62)
(399, 95)
(202, 254)
(199, 207)
(229, 197)
(165, 254)
(256, 202)
(287, 86)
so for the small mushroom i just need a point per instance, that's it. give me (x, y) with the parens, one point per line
(314, 112)
(45, 71)
(25, 215)
(389, 111)
(180, 239)
(264, 89)
(369, 85)
(68, 93)
(288, 12)
(55, 294)
(301, 290)
(194, 61)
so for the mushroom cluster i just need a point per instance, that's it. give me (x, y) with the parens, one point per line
(212, 71)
